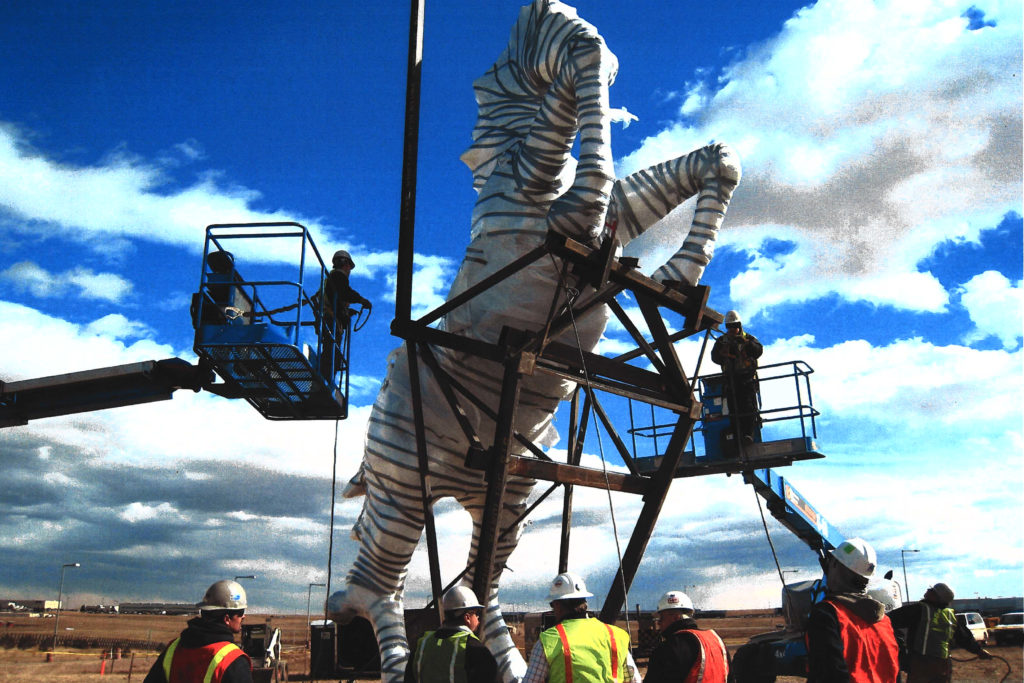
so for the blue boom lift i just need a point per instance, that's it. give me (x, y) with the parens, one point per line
(274, 339)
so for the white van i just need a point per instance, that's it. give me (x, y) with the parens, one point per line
(975, 624)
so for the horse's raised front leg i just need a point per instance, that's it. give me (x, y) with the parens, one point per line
(645, 197)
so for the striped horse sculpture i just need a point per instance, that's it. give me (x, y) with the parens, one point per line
(550, 85)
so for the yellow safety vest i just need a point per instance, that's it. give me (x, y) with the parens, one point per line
(442, 659)
(934, 632)
(585, 651)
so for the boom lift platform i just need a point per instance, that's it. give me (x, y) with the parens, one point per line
(272, 340)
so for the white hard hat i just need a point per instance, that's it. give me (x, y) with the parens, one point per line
(675, 600)
(459, 598)
(856, 555)
(568, 586)
(733, 318)
(224, 595)
(340, 257)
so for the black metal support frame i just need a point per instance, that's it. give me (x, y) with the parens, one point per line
(523, 352)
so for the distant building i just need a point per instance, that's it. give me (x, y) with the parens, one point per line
(21, 605)
(158, 608)
(988, 607)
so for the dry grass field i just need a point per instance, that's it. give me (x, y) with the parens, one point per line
(30, 665)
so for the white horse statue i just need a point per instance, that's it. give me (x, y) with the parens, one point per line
(550, 85)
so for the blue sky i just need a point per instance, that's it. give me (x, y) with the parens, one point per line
(876, 235)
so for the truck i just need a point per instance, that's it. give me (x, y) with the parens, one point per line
(784, 652)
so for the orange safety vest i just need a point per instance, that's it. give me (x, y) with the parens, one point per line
(870, 650)
(205, 664)
(713, 666)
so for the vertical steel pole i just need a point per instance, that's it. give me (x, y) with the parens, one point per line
(60, 595)
(407, 216)
(426, 495)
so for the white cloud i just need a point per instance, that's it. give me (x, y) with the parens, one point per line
(140, 512)
(117, 326)
(870, 133)
(912, 382)
(996, 307)
(29, 277)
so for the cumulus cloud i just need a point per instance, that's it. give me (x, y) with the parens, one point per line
(29, 277)
(870, 133)
(996, 307)
(126, 197)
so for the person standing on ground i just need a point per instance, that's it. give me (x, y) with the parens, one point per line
(929, 627)
(206, 651)
(686, 653)
(849, 637)
(453, 653)
(579, 647)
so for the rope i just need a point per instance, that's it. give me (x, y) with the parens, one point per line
(764, 523)
(571, 295)
(1009, 669)
(330, 536)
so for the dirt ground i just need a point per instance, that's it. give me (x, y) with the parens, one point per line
(70, 664)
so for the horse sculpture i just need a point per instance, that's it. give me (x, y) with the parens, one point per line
(550, 85)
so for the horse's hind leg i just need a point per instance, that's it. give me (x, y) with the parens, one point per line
(645, 197)
(388, 530)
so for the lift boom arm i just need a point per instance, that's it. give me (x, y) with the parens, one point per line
(99, 389)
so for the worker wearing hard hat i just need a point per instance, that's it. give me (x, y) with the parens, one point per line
(929, 627)
(206, 651)
(340, 294)
(686, 652)
(579, 647)
(737, 352)
(453, 652)
(849, 637)
(335, 298)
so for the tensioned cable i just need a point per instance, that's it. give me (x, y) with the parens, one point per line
(767, 535)
(570, 296)
(334, 489)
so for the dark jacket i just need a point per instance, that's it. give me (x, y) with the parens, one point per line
(340, 294)
(908, 619)
(737, 354)
(672, 660)
(201, 632)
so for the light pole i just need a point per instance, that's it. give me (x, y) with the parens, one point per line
(309, 596)
(60, 595)
(903, 559)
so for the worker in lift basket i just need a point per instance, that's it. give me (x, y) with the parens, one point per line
(206, 651)
(453, 652)
(849, 637)
(686, 653)
(930, 627)
(737, 352)
(338, 295)
(579, 647)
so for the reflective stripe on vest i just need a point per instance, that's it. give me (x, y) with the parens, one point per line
(213, 660)
(934, 632)
(714, 664)
(442, 659)
(870, 649)
(583, 650)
